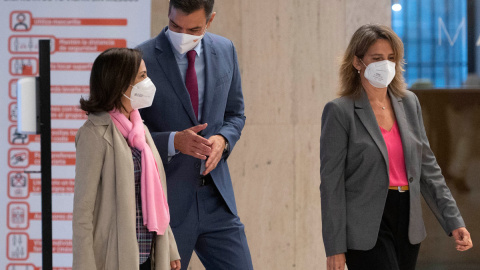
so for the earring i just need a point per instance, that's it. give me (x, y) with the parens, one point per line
(358, 71)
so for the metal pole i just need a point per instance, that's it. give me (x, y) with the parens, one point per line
(46, 153)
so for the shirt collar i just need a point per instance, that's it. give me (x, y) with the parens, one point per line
(179, 56)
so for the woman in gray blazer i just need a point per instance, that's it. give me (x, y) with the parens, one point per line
(376, 161)
(120, 213)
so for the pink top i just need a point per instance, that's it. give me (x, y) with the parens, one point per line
(396, 160)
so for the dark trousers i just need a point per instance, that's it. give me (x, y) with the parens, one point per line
(393, 250)
(216, 235)
(147, 265)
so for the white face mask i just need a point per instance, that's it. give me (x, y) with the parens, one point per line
(380, 74)
(184, 42)
(142, 94)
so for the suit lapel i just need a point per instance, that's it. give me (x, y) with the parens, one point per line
(211, 68)
(168, 63)
(367, 117)
(399, 110)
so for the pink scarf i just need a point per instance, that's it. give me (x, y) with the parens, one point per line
(156, 215)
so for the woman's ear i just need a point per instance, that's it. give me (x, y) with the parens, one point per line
(357, 64)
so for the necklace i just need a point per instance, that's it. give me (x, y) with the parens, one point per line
(381, 106)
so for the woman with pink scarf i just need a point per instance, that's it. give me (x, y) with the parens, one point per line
(120, 214)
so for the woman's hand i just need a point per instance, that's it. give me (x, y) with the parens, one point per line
(462, 238)
(175, 265)
(336, 262)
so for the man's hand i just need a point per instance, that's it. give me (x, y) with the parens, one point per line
(462, 238)
(217, 143)
(175, 265)
(189, 143)
(336, 262)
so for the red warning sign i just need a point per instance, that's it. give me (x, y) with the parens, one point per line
(23, 66)
(28, 44)
(59, 66)
(22, 21)
(70, 89)
(23, 158)
(68, 113)
(12, 88)
(19, 246)
(19, 216)
(21, 185)
(58, 136)
(29, 266)
(18, 185)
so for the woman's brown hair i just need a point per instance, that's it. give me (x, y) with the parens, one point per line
(113, 71)
(361, 41)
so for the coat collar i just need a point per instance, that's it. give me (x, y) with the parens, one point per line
(103, 119)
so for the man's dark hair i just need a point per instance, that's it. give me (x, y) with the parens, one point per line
(113, 72)
(189, 6)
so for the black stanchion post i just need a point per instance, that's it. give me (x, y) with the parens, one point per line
(46, 153)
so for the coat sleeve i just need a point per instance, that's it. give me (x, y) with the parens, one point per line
(234, 119)
(174, 255)
(333, 152)
(433, 187)
(90, 154)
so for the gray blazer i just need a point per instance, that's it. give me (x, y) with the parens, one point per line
(354, 174)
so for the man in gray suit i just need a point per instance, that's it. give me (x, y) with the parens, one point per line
(196, 119)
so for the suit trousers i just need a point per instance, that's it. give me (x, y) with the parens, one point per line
(393, 250)
(217, 236)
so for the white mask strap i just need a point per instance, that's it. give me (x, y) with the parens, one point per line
(362, 62)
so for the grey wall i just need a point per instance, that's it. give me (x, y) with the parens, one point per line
(289, 52)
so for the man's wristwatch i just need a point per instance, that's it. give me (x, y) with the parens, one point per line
(226, 147)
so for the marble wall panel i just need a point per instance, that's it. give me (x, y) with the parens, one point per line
(264, 189)
(309, 250)
(363, 12)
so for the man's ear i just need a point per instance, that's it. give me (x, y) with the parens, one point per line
(211, 19)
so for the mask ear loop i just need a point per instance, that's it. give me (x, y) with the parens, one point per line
(358, 70)
(362, 62)
(126, 95)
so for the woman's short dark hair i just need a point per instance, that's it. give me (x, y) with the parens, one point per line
(113, 71)
(189, 6)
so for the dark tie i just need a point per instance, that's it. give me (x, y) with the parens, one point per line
(191, 81)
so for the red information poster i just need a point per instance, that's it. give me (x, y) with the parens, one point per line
(78, 31)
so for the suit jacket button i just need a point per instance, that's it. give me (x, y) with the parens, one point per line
(410, 179)
(197, 165)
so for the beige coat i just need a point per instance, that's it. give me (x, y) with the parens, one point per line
(104, 214)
